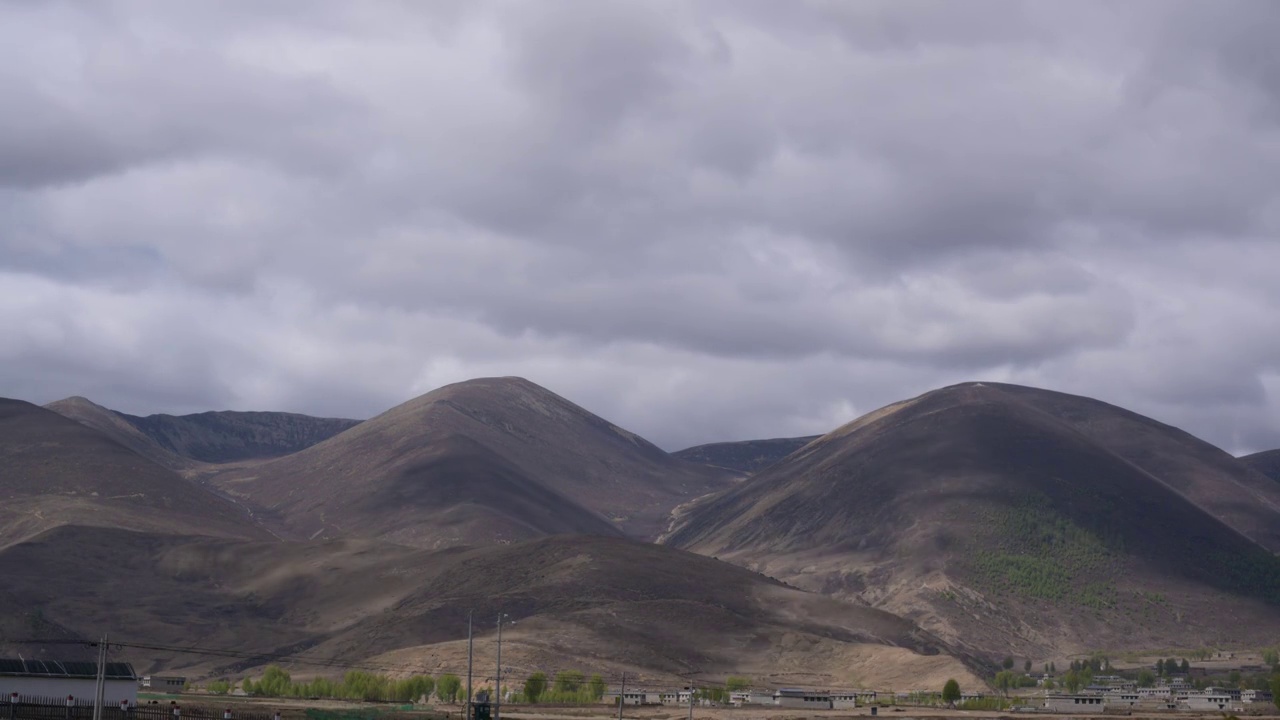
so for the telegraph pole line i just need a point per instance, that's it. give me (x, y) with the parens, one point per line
(469, 665)
(622, 694)
(100, 679)
(497, 682)
(691, 691)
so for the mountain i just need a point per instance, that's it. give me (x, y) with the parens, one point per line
(598, 604)
(221, 437)
(483, 461)
(115, 426)
(181, 442)
(55, 471)
(745, 456)
(1013, 521)
(1266, 463)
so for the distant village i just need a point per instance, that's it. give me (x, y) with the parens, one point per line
(33, 682)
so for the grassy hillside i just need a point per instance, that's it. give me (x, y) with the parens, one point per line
(56, 471)
(746, 456)
(599, 604)
(998, 524)
(489, 460)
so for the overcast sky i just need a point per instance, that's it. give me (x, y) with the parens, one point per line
(702, 220)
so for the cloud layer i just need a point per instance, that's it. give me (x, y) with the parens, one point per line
(705, 221)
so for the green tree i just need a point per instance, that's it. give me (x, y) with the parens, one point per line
(597, 687)
(534, 686)
(1005, 680)
(569, 681)
(1053, 667)
(1185, 667)
(1008, 663)
(275, 682)
(447, 687)
(1275, 689)
(1072, 681)
(1160, 668)
(219, 687)
(1234, 678)
(737, 683)
(1026, 666)
(1171, 666)
(1146, 678)
(1271, 657)
(951, 691)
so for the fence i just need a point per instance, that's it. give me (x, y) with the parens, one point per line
(25, 707)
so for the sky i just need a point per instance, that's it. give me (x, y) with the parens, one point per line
(702, 220)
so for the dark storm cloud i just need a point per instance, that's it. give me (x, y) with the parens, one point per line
(703, 220)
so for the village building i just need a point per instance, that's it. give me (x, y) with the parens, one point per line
(795, 698)
(1065, 703)
(1204, 701)
(163, 683)
(50, 679)
(1256, 696)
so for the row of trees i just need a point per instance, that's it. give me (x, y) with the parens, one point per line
(354, 685)
(1165, 668)
(568, 686)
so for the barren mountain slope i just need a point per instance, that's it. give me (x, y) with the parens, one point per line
(599, 604)
(488, 460)
(996, 525)
(1266, 463)
(744, 456)
(115, 426)
(228, 436)
(55, 471)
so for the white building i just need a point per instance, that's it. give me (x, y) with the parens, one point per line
(52, 680)
(1074, 703)
(1204, 701)
(844, 700)
(163, 683)
(794, 698)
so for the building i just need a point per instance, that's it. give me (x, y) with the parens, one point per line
(1204, 701)
(1057, 702)
(750, 697)
(1122, 698)
(795, 698)
(844, 700)
(1256, 696)
(58, 680)
(630, 697)
(163, 683)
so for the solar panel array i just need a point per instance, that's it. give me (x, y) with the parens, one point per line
(53, 668)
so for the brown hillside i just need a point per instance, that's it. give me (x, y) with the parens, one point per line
(489, 460)
(1266, 463)
(744, 456)
(113, 425)
(55, 471)
(999, 525)
(599, 604)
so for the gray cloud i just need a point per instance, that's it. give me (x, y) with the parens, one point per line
(703, 220)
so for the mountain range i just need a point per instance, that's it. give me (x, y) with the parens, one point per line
(922, 541)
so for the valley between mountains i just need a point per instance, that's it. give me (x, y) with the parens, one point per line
(923, 541)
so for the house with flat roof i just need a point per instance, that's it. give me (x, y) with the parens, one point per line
(1065, 703)
(59, 680)
(163, 683)
(796, 698)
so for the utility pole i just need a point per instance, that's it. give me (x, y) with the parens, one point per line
(622, 695)
(497, 683)
(691, 691)
(469, 665)
(100, 679)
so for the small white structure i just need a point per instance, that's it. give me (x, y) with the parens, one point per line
(58, 680)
